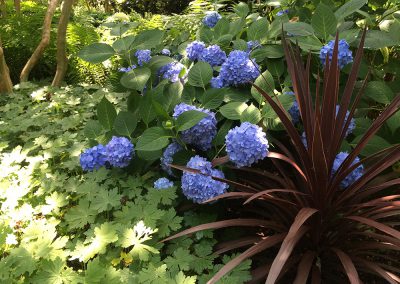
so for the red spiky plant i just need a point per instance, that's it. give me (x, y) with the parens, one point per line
(302, 226)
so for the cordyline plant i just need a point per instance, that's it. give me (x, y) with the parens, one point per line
(304, 226)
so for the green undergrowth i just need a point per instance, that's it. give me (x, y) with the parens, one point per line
(60, 225)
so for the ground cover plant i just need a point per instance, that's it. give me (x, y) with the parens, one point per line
(274, 123)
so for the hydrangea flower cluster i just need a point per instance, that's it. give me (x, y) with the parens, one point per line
(353, 176)
(246, 144)
(163, 183)
(166, 52)
(352, 123)
(211, 19)
(143, 56)
(119, 151)
(238, 69)
(282, 12)
(217, 83)
(195, 49)
(202, 134)
(171, 71)
(198, 187)
(213, 55)
(253, 44)
(345, 56)
(127, 69)
(168, 155)
(294, 110)
(93, 158)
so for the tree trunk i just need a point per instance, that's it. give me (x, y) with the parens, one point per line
(5, 80)
(62, 60)
(45, 41)
(3, 8)
(107, 7)
(17, 5)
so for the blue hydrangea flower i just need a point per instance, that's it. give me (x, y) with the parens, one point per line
(238, 69)
(166, 52)
(213, 55)
(282, 12)
(344, 53)
(211, 19)
(202, 134)
(198, 187)
(171, 71)
(304, 139)
(93, 158)
(294, 110)
(119, 151)
(168, 155)
(352, 124)
(127, 69)
(246, 144)
(143, 56)
(353, 176)
(217, 83)
(195, 49)
(163, 183)
(253, 44)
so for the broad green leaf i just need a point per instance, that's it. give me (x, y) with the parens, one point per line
(379, 39)
(96, 52)
(200, 74)
(172, 95)
(266, 82)
(394, 122)
(212, 98)
(349, 8)
(375, 144)
(324, 21)
(309, 43)
(136, 79)
(125, 123)
(240, 44)
(251, 114)
(223, 130)
(242, 9)
(205, 34)
(233, 110)
(270, 51)
(189, 119)
(123, 44)
(156, 62)
(379, 91)
(106, 113)
(146, 109)
(148, 39)
(235, 27)
(153, 139)
(93, 129)
(221, 28)
(298, 28)
(258, 30)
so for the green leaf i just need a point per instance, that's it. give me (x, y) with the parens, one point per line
(94, 272)
(156, 62)
(125, 123)
(153, 139)
(200, 74)
(223, 130)
(124, 44)
(136, 79)
(93, 129)
(394, 122)
(148, 39)
(235, 27)
(266, 82)
(188, 119)
(375, 144)
(205, 34)
(324, 21)
(379, 39)
(257, 30)
(233, 110)
(105, 200)
(270, 51)
(221, 28)
(379, 91)
(309, 43)
(106, 113)
(172, 95)
(349, 8)
(298, 28)
(212, 98)
(242, 9)
(251, 114)
(96, 52)
(239, 44)
(146, 109)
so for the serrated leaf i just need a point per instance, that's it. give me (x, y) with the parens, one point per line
(324, 21)
(212, 98)
(266, 82)
(251, 114)
(124, 44)
(136, 79)
(349, 8)
(241, 9)
(200, 74)
(93, 129)
(257, 30)
(379, 91)
(188, 119)
(298, 28)
(125, 123)
(375, 144)
(223, 130)
(96, 52)
(106, 113)
(233, 110)
(153, 139)
(148, 39)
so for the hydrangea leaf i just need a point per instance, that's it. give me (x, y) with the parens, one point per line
(324, 21)
(189, 119)
(233, 110)
(200, 74)
(106, 113)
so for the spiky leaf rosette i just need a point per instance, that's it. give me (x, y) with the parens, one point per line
(301, 224)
